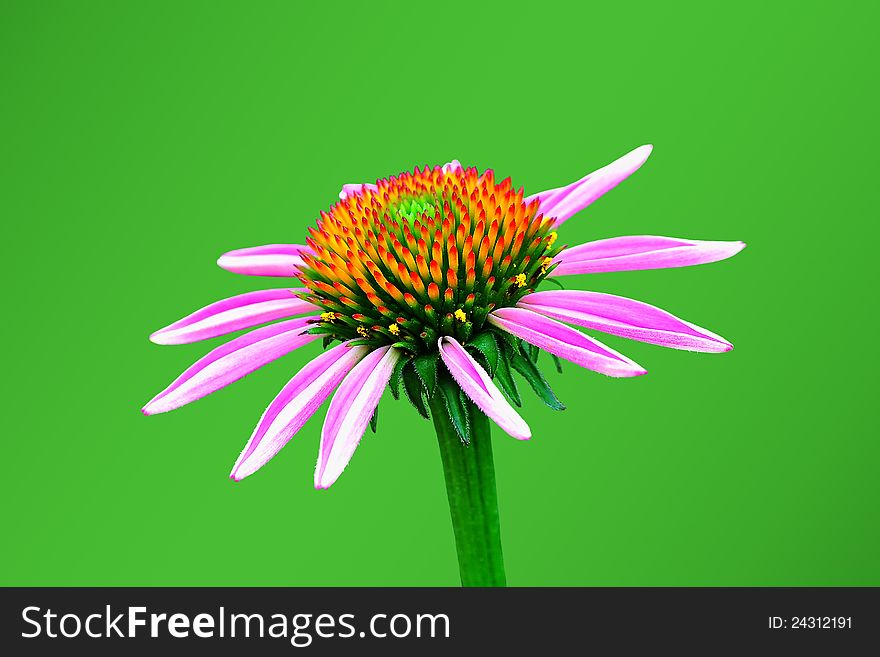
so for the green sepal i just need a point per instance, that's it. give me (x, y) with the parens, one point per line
(508, 341)
(505, 379)
(326, 341)
(396, 374)
(374, 421)
(481, 359)
(533, 352)
(469, 409)
(480, 313)
(555, 282)
(557, 362)
(415, 390)
(487, 345)
(457, 410)
(426, 368)
(404, 344)
(317, 330)
(532, 374)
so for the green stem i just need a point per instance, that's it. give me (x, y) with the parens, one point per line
(473, 500)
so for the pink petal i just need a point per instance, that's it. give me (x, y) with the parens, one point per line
(563, 202)
(625, 317)
(479, 387)
(350, 411)
(268, 260)
(294, 405)
(233, 314)
(232, 361)
(641, 252)
(564, 341)
(455, 165)
(351, 188)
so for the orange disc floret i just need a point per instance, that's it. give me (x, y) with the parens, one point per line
(421, 246)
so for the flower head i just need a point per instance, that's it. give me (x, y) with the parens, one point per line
(428, 281)
(423, 255)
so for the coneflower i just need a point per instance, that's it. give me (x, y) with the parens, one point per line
(427, 283)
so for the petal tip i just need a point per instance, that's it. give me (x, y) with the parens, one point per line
(319, 474)
(236, 472)
(636, 157)
(160, 337)
(729, 249)
(732, 248)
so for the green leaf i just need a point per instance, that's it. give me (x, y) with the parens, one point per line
(533, 375)
(374, 421)
(557, 362)
(415, 390)
(487, 345)
(458, 411)
(426, 368)
(396, 374)
(505, 379)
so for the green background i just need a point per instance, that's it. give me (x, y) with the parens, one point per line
(142, 140)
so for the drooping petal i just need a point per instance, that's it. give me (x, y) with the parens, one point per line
(564, 341)
(235, 313)
(350, 411)
(267, 260)
(353, 188)
(294, 405)
(563, 202)
(641, 252)
(477, 385)
(624, 317)
(230, 362)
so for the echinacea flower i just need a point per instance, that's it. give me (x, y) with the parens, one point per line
(428, 281)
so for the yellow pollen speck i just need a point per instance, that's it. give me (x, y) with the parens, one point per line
(546, 262)
(328, 317)
(460, 316)
(519, 280)
(551, 238)
(364, 333)
(393, 329)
